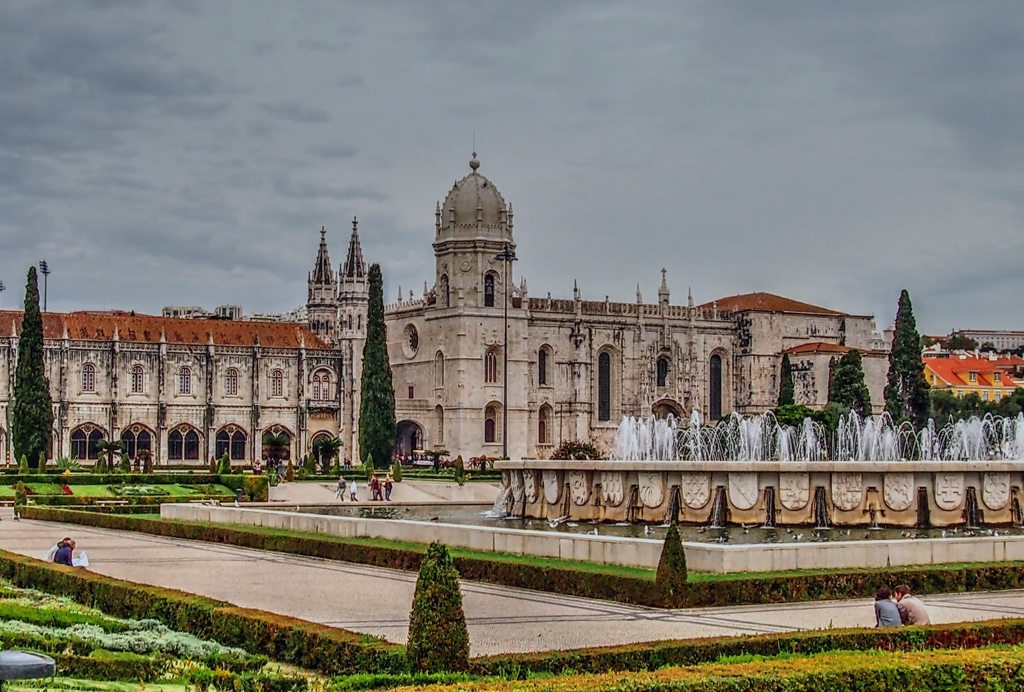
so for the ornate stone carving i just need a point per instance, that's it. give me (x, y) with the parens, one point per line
(579, 487)
(552, 481)
(530, 485)
(847, 490)
(743, 490)
(517, 485)
(696, 489)
(652, 488)
(949, 490)
(995, 490)
(898, 491)
(794, 490)
(612, 484)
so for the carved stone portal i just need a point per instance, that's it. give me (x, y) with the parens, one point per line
(552, 481)
(579, 487)
(847, 490)
(516, 482)
(995, 490)
(696, 489)
(949, 490)
(530, 485)
(898, 491)
(612, 483)
(652, 488)
(743, 490)
(794, 490)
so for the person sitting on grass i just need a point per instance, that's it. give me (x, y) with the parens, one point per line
(912, 610)
(51, 556)
(886, 612)
(65, 553)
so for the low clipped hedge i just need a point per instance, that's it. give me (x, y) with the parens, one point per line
(330, 650)
(604, 586)
(121, 478)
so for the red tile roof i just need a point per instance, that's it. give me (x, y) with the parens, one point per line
(955, 372)
(767, 302)
(100, 326)
(818, 347)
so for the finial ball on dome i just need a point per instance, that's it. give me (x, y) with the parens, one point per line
(474, 163)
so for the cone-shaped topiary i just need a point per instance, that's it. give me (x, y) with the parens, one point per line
(309, 464)
(213, 465)
(368, 467)
(125, 465)
(224, 465)
(20, 494)
(438, 638)
(460, 470)
(396, 472)
(289, 472)
(101, 464)
(23, 465)
(671, 577)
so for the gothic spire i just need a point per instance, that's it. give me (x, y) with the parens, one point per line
(322, 269)
(354, 267)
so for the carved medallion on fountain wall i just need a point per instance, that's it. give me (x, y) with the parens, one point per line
(794, 490)
(612, 484)
(652, 488)
(743, 490)
(847, 490)
(995, 490)
(696, 489)
(579, 487)
(949, 490)
(898, 491)
(530, 485)
(552, 481)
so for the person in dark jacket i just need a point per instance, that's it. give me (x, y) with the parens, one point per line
(886, 612)
(65, 551)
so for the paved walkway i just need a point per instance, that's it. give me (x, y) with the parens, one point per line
(377, 601)
(307, 492)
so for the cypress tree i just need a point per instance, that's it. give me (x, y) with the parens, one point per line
(32, 412)
(438, 637)
(847, 387)
(377, 426)
(906, 390)
(786, 387)
(671, 574)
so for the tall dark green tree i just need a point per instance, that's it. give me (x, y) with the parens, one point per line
(32, 413)
(847, 387)
(906, 390)
(787, 390)
(377, 426)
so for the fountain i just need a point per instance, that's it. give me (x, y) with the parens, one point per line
(670, 469)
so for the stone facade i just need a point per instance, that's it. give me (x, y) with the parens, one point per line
(185, 389)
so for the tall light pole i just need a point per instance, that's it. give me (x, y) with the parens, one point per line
(505, 257)
(44, 269)
(2, 289)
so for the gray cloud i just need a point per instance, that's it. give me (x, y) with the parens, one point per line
(296, 112)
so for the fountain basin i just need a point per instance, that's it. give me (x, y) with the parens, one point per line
(784, 493)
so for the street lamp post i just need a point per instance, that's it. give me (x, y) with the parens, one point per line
(2, 289)
(505, 257)
(44, 269)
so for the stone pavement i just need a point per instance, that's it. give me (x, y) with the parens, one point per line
(377, 601)
(304, 493)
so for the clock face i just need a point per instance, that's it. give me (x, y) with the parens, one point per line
(466, 265)
(410, 341)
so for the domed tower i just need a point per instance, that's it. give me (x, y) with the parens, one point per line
(471, 228)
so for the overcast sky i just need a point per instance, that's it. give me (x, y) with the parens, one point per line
(187, 152)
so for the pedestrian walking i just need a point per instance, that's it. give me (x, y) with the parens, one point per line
(886, 612)
(912, 610)
(375, 488)
(340, 494)
(352, 490)
(388, 484)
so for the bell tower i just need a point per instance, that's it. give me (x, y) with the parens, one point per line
(321, 299)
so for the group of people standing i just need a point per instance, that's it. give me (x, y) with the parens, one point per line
(380, 490)
(899, 606)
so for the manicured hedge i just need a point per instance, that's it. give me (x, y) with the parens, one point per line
(121, 478)
(328, 649)
(625, 589)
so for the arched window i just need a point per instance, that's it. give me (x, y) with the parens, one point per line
(138, 379)
(183, 445)
(231, 441)
(276, 383)
(489, 291)
(185, 381)
(231, 382)
(85, 442)
(604, 387)
(439, 369)
(321, 386)
(542, 367)
(491, 424)
(544, 425)
(715, 388)
(444, 297)
(88, 377)
(135, 440)
(490, 367)
(663, 372)
(439, 424)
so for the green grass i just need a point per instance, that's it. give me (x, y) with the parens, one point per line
(93, 686)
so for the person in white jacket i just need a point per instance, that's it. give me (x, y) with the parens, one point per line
(352, 489)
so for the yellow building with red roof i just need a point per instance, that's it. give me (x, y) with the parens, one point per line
(990, 376)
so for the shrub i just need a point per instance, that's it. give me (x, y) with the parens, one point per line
(396, 472)
(671, 576)
(20, 494)
(214, 465)
(460, 470)
(577, 449)
(101, 464)
(256, 488)
(309, 464)
(23, 465)
(289, 472)
(368, 467)
(438, 638)
(224, 465)
(126, 464)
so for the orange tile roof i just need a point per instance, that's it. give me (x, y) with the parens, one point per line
(100, 326)
(767, 302)
(955, 372)
(817, 347)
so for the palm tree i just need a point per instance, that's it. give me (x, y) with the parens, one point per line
(109, 450)
(276, 447)
(326, 450)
